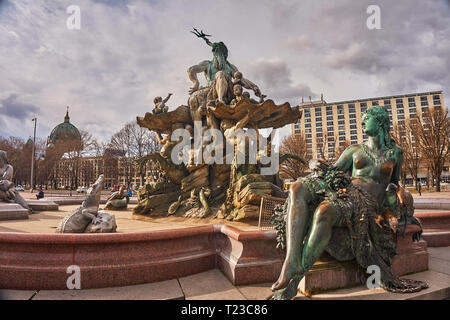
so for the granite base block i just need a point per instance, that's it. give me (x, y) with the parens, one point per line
(12, 211)
(328, 274)
(42, 205)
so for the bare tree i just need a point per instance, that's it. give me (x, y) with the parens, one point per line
(135, 142)
(321, 145)
(19, 156)
(295, 145)
(404, 136)
(431, 131)
(340, 146)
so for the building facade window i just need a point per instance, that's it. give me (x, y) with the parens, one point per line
(436, 100)
(424, 101)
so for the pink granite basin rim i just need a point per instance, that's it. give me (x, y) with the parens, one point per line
(79, 238)
(40, 261)
(434, 220)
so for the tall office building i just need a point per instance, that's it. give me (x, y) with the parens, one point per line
(328, 126)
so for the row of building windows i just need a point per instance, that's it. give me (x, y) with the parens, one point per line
(363, 105)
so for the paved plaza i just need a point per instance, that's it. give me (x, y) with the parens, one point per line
(213, 285)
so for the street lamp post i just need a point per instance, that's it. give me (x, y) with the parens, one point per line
(32, 155)
(70, 177)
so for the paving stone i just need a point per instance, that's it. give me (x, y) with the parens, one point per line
(16, 294)
(440, 253)
(164, 290)
(209, 285)
(439, 288)
(256, 291)
(439, 265)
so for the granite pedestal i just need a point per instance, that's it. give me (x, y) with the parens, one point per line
(328, 274)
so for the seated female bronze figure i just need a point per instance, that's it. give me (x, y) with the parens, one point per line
(357, 193)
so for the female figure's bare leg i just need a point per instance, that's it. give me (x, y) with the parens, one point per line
(296, 227)
(320, 234)
(317, 240)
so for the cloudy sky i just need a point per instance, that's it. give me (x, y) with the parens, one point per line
(128, 52)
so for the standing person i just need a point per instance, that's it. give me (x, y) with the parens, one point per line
(419, 187)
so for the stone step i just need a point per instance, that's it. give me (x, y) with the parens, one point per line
(432, 203)
(77, 200)
(437, 238)
(439, 289)
(12, 211)
(42, 205)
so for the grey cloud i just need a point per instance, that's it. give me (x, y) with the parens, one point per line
(410, 53)
(275, 79)
(18, 110)
(128, 52)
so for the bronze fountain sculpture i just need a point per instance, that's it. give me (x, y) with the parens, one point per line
(222, 106)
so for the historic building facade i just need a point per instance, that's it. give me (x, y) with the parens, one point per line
(73, 170)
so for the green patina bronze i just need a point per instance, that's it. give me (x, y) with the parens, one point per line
(220, 56)
(350, 209)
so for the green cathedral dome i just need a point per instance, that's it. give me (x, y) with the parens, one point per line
(29, 142)
(64, 131)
